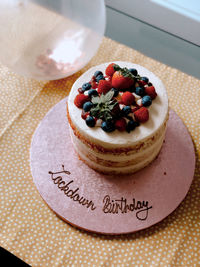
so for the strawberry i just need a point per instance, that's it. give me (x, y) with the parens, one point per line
(104, 86)
(110, 69)
(142, 114)
(128, 98)
(122, 80)
(80, 99)
(150, 90)
(120, 124)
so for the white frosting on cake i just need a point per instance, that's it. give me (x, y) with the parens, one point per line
(158, 112)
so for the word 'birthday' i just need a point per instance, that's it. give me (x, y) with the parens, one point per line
(109, 206)
(121, 206)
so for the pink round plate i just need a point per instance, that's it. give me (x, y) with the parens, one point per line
(109, 204)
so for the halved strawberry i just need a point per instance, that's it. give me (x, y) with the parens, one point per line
(80, 99)
(142, 114)
(104, 86)
(121, 81)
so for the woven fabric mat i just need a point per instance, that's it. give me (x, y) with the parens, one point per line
(31, 231)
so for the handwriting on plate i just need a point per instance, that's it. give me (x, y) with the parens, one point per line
(68, 190)
(109, 206)
(121, 205)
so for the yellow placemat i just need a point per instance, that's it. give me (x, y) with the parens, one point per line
(30, 230)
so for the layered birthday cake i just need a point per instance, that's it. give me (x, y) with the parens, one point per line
(117, 114)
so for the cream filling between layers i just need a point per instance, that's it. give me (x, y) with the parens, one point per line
(120, 169)
(117, 160)
(158, 113)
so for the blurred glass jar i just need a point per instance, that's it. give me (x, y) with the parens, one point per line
(48, 39)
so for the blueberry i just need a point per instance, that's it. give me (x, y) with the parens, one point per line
(100, 77)
(116, 91)
(150, 84)
(87, 106)
(108, 126)
(145, 79)
(139, 91)
(97, 73)
(131, 126)
(133, 71)
(90, 121)
(92, 92)
(86, 86)
(126, 110)
(146, 101)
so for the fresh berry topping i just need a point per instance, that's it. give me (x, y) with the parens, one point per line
(104, 86)
(116, 111)
(145, 79)
(126, 110)
(117, 100)
(110, 69)
(86, 86)
(122, 80)
(151, 92)
(108, 126)
(90, 121)
(142, 83)
(84, 114)
(146, 101)
(139, 91)
(120, 124)
(116, 92)
(92, 92)
(142, 114)
(131, 89)
(87, 106)
(128, 98)
(80, 99)
(80, 90)
(131, 126)
(94, 84)
(97, 73)
(133, 71)
(99, 78)
(134, 109)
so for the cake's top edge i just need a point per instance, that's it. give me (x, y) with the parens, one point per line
(157, 108)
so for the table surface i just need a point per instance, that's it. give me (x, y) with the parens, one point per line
(31, 231)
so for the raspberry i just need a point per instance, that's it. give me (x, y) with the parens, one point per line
(80, 90)
(142, 83)
(128, 98)
(110, 70)
(84, 114)
(150, 90)
(94, 84)
(80, 99)
(134, 109)
(142, 114)
(120, 124)
(104, 86)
